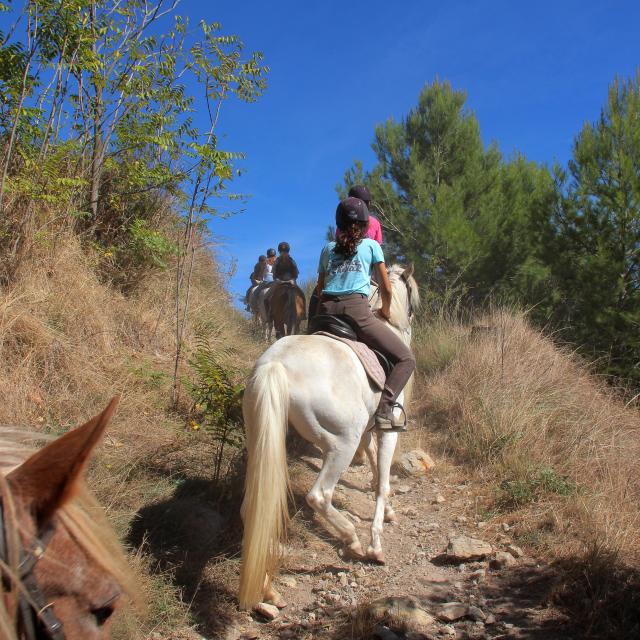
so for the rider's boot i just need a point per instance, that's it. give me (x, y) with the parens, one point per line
(385, 420)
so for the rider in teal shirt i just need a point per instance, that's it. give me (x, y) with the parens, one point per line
(346, 275)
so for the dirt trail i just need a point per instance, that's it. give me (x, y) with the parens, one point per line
(324, 591)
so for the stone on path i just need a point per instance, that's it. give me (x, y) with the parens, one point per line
(451, 611)
(502, 560)
(476, 613)
(288, 581)
(439, 499)
(269, 611)
(416, 462)
(403, 611)
(403, 488)
(516, 552)
(465, 548)
(382, 632)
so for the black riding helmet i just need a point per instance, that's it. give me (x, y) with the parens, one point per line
(271, 253)
(283, 246)
(351, 210)
(360, 191)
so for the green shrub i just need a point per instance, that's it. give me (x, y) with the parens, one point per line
(217, 402)
(149, 247)
(515, 493)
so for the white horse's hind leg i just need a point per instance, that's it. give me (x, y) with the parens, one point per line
(321, 495)
(370, 447)
(386, 447)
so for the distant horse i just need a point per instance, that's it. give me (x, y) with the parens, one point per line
(318, 385)
(287, 308)
(63, 573)
(260, 311)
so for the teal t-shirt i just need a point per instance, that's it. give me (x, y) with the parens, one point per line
(349, 275)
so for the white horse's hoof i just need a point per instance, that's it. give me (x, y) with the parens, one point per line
(274, 598)
(354, 551)
(375, 556)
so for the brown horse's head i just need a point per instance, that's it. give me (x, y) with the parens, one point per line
(59, 548)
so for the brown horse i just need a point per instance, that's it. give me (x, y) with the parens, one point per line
(63, 573)
(287, 307)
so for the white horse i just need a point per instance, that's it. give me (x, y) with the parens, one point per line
(318, 385)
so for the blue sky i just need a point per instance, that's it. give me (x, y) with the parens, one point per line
(534, 73)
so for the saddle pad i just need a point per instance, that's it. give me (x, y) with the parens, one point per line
(368, 359)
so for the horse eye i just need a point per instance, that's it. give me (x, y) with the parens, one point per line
(102, 614)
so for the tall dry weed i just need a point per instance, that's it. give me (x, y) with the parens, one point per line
(533, 420)
(69, 341)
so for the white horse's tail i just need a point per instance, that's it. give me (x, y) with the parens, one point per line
(264, 509)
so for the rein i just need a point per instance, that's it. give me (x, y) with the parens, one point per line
(36, 619)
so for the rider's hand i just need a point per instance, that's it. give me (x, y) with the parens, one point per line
(384, 313)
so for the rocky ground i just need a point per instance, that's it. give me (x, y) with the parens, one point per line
(448, 573)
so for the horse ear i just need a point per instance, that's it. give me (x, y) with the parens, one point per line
(408, 272)
(50, 477)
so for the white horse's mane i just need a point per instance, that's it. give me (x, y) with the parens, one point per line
(399, 302)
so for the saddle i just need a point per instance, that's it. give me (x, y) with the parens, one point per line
(340, 326)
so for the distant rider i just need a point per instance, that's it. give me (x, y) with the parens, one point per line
(344, 277)
(263, 268)
(374, 231)
(285, 268)
(259, 271)
(271, 258)
(256, 277)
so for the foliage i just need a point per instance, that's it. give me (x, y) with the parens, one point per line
(479, 228)
(594, 255)
(150, 246)
(515, 493)
(97, 112)
(453, 207)
(217, 401)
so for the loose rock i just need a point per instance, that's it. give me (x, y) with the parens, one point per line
(416, 462)
(450, 611)
(403, 609)
(502, 560)
(465, 548)
(439, 499)
(288, 581)
(269, 611)
(403, 488)
(516, 552)
(477, 614)
(384, 633)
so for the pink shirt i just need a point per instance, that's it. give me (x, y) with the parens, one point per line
(374, 231)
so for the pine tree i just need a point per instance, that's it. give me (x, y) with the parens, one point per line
(598, 233)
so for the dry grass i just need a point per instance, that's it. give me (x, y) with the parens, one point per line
(556, 449)
(69, 341)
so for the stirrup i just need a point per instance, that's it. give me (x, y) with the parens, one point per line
(395, 428)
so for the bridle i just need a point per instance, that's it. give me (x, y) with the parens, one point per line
(36, 619)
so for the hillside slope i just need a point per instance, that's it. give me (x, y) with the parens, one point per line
(70, 341)
(531, 450)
